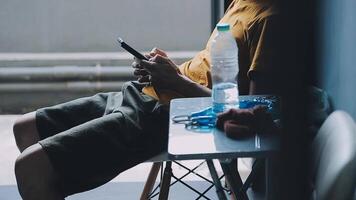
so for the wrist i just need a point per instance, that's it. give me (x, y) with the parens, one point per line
(189, 88)
(182, 84)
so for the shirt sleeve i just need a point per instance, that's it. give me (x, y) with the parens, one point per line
(198, 68)
(263, 46)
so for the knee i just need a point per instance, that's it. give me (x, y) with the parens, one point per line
(18, 130)
(21, 170)
(28, 163)
(24, 173)
(25, 131)
(17, 127)
(33, 173)
(21, 125)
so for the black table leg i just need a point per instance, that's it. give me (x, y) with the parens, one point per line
(166, 181)
(233, 178)
(214, 175)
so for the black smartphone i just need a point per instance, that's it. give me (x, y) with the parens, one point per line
(131, 50)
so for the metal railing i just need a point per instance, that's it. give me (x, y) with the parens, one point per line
(30, 81)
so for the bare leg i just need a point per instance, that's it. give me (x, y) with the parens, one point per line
(36, 178)
(25, 131)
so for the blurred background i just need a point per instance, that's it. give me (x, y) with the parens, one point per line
(54, 51)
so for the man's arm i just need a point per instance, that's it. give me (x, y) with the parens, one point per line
(165, 75)
(190, 88)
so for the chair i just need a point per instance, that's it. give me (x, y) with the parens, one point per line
(158, 164)
(319, 107)
(333, 159)
(152, 176)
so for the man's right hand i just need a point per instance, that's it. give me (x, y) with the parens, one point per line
(142, 74)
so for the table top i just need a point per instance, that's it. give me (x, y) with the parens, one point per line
(185, 144)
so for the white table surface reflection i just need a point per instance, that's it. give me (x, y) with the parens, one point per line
(211, 143)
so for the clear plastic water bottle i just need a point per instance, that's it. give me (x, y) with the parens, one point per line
(224, 70)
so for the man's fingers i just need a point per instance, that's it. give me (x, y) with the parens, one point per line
(154, 65)
(160, 52)
(160, 59)
(144, 79)
(148, 65)
(140, 72)
(157, 51)
(135, 64)
(148, 56)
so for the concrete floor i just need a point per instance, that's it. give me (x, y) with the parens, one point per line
(9, 152)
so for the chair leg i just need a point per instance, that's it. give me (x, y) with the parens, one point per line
(233, 179)
(234, 165)
(150, 182)
(166, 181)
(219, 189)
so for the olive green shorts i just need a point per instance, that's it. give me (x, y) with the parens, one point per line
(91, 140)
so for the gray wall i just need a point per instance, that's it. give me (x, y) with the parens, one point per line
(337, 45)
(92, 25)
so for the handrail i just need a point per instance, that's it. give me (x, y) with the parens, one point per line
(65, 73)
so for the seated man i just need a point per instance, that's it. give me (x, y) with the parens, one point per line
(82, 144)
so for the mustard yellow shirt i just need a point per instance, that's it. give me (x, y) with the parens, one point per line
(250, 24)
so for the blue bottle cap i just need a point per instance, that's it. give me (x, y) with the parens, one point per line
(223, 27)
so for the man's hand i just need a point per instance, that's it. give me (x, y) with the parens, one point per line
(142, 74)
(164, 73)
